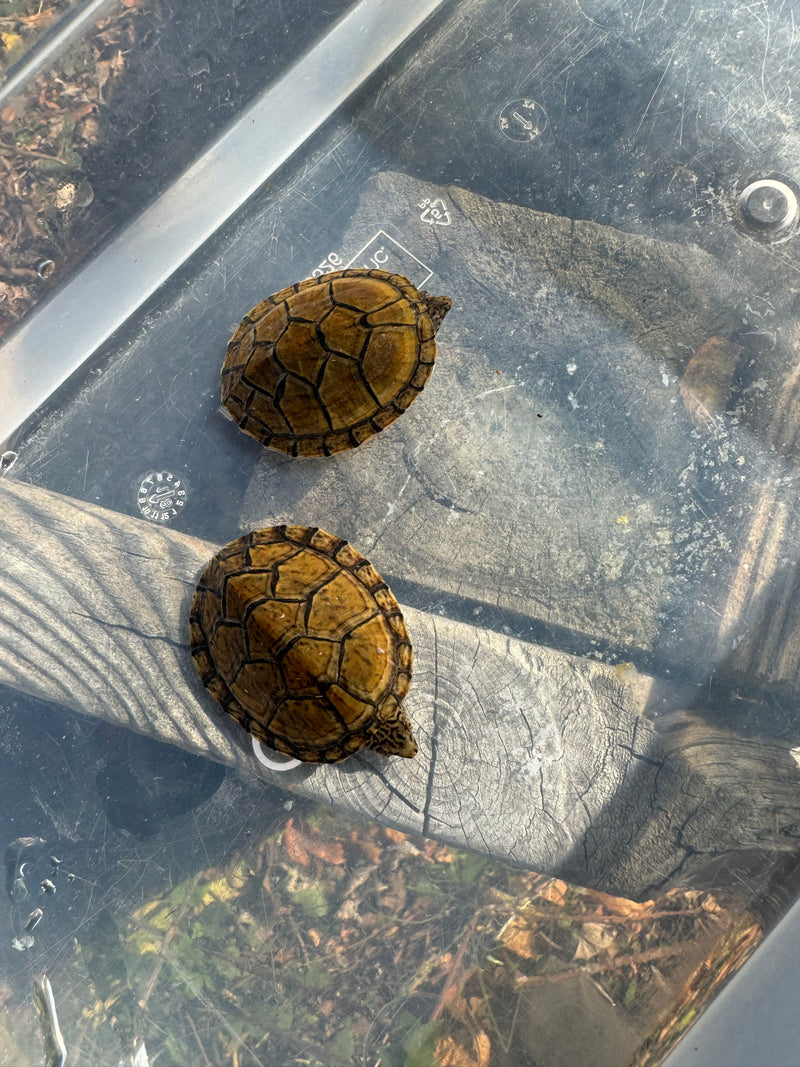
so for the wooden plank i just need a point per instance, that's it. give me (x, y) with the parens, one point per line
(95, 618)
(526, 753)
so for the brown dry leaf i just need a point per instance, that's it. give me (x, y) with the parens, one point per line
(8, 114)
(520, 939)
(395, 895)
(449, 1053)
(307, 845)
(553, 891)
(595, 938)
(89, 129)
(707, 379)
(327, 851)
(395, 835)
(109, 68)
(621, 905)
(371, 851)
(293, 843)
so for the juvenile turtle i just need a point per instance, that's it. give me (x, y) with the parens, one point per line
(301, 641)
(324, 364)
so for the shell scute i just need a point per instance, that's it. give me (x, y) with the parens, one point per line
(309, 664)
(344, 392)
(312, 718)
(404, 658)
(262, 412)
(387, 358)
(327, 543)
(314, 303)
(263, 376)
(298, 405)
(240, 588)
(272, 624)
(343, 332)
(299, 352)
(267, 554)
(338, 606)
(228, 642)
(301, 574)
(363, 291)
(365, 650)
(343, 552)
(354, 712)
(251, 680)
(373, 581)
(269, 319)
(399, 313)
(217, 689)
(386, 601)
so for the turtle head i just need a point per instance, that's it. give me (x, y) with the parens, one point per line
(437, 307)
(390, 734)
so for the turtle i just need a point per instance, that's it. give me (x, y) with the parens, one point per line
(324, 364)
(300, 640)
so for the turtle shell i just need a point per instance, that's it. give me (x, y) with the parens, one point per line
(323, 365)
(301, 641)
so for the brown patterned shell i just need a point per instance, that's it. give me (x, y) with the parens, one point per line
(323, 365)
(301, 641)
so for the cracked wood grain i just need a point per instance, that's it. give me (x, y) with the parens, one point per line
(537, 757)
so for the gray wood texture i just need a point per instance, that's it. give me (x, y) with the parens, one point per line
(526, 753)
(551, 468)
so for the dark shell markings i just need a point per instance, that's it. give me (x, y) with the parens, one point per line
(302, 642)
(325, 364)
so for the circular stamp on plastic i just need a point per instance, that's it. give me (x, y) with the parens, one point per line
(161, 495)
(522, 120)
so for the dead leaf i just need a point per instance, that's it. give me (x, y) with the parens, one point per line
(327, 851)
(594, 939)
(293, 843)
(553, 891)
(89, 128)
(707, 379)
(621, 905)
(520, 939)
(449, 1053)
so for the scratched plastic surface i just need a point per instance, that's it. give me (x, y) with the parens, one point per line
(603, 465)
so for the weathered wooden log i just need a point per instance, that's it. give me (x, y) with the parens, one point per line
(526, 753)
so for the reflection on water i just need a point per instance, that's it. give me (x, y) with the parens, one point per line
(327, 941)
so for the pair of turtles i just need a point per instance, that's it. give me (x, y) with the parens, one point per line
(294, 632)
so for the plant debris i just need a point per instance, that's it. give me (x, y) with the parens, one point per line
(46, 134)
(332, 943)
